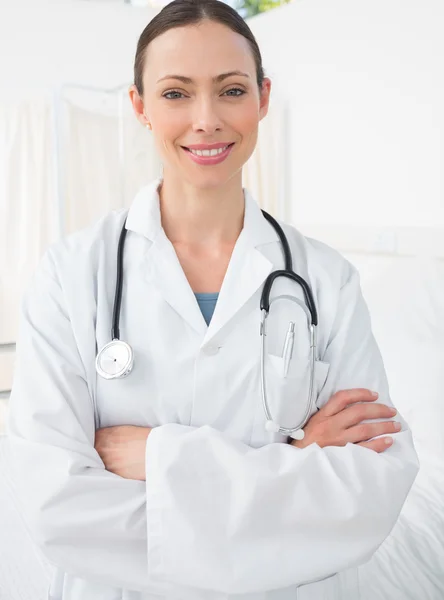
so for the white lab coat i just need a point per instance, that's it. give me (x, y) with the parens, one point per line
(228, 510)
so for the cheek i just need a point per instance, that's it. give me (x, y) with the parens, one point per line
(246, 119)
(248, 129)
(246, 122)
(170, 125)
(169, 128)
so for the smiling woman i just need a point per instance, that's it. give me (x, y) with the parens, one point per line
(166, 476)
(208, 113)
(199, 85)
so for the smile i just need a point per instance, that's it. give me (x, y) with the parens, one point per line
(209, 157)
(208, 152)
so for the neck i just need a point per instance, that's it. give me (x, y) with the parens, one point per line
(193, 215)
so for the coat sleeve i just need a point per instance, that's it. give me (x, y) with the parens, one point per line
(87, 521)
(225, 517)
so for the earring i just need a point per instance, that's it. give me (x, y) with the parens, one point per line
(148, 125)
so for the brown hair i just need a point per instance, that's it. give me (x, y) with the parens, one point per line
(189, 12)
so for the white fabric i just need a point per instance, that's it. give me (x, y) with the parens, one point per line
(406, 300)
(266, 174)
(228, 510)
(397, 571)
(25, 574)
(27, 210)
(409, 565)
(106, 159)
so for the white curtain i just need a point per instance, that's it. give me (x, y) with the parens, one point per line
(105, 156)
(267, 172)
(56, 180)
(28, 219)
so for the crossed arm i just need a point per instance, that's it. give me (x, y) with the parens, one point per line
(122, 448)
(83, 496)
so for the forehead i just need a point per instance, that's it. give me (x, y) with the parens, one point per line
(199, 49)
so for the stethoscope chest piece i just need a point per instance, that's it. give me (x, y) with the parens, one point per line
(115, 360)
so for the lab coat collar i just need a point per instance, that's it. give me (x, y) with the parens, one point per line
(246, 272)
(144, 213)
(144, 216)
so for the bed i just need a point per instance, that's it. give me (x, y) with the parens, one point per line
(402, 276)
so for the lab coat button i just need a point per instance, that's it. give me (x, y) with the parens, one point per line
(211, 350)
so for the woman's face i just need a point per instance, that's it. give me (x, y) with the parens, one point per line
(200, 88)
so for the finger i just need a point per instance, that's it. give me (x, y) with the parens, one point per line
(378, 445)
(343, 398)
(367, 431)
(352, 415)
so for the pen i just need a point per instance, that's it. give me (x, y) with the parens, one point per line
(288, 347)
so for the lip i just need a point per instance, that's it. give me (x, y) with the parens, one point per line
(210, 160)
(215, 146)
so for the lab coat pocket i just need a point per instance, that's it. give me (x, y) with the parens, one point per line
(287, 394)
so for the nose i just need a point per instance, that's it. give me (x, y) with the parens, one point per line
(206, 118)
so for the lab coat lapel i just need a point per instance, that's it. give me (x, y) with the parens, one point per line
(165, 273)
(247, 270)
(161, 267)
(246, 273)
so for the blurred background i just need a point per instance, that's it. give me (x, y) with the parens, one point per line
(351, 153)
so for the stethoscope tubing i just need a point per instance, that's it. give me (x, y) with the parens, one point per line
(288, 273)
(309, 408)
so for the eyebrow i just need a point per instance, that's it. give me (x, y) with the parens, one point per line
(216, 79)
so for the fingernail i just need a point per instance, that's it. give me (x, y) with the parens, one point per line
(388, 441)
(398, 426)
(375, 394)
(393, 411)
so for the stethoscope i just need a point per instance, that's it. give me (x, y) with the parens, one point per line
(116, 359)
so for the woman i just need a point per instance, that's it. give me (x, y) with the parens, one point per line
(166, 483)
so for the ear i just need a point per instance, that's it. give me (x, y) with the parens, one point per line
(138, 107)
(264, 97)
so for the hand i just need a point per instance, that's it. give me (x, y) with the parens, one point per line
(339, 421)
(122, 449)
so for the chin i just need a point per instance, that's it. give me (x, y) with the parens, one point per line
(212, 180)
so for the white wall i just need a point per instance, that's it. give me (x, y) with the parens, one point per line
(365, 82)
(46, 43)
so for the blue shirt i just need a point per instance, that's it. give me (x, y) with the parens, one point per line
(207, 304)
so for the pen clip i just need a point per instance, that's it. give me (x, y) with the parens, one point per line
(288, 347)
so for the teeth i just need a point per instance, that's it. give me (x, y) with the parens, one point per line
(208, 152)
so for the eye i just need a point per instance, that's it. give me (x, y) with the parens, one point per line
(242, 92)
(168, 94)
